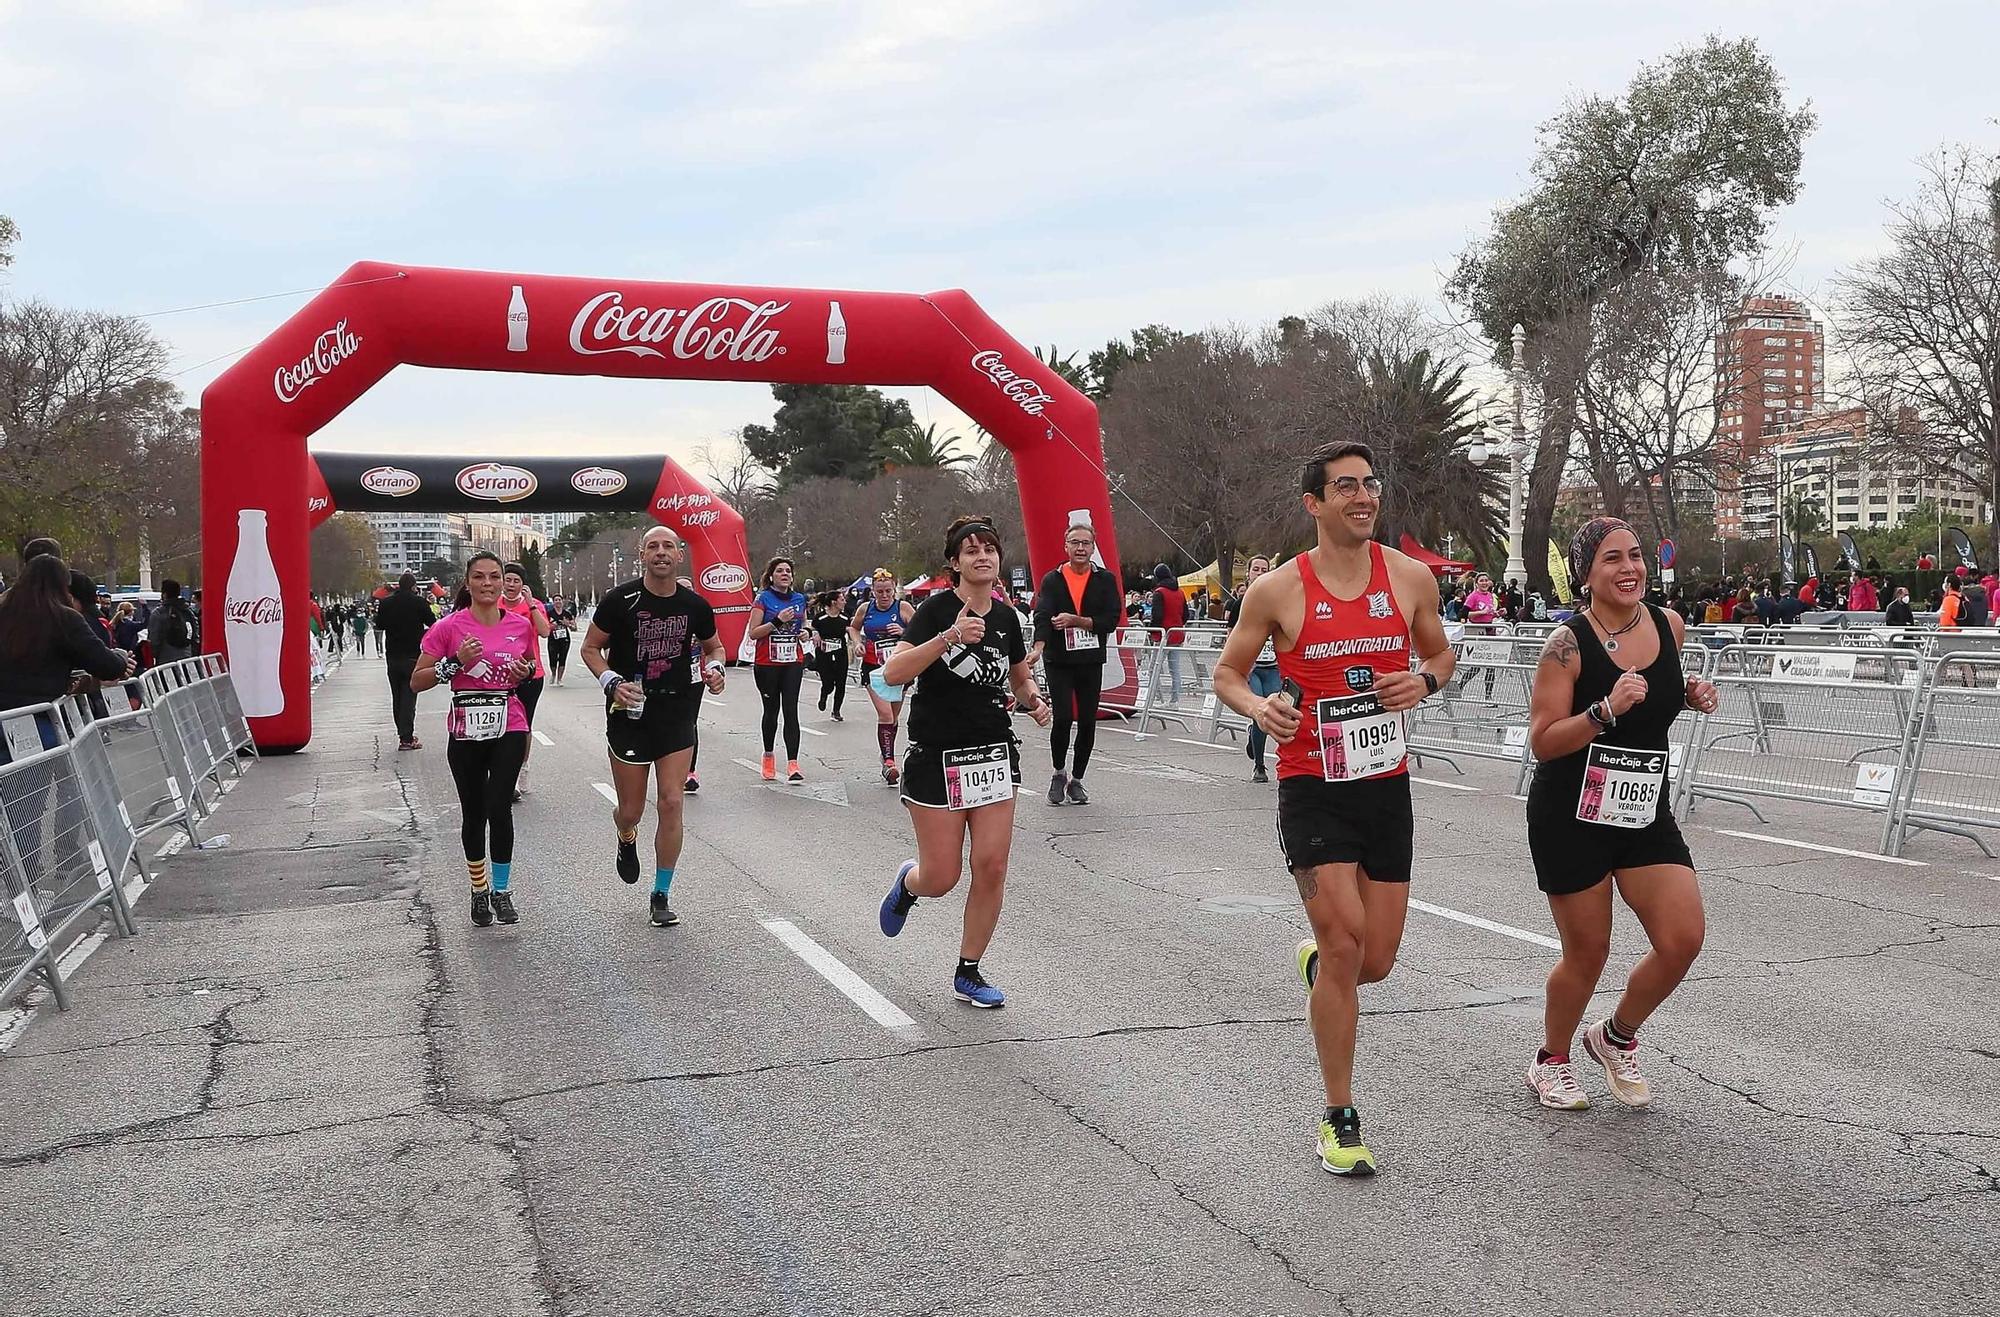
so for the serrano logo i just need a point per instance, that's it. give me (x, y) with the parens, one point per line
(598, 480)
(724, 578)
(390, 481)
(496, 483)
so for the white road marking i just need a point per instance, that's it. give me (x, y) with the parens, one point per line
(829, 967)
(1445, 912)
(604, 789)
(14, 1022)
(174, 846)
(1448, 786)
(811, 731)
(543, 739)
(1829, 850)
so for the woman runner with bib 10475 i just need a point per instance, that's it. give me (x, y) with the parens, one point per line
(1607, 690)
(483, 651)
(965, 650)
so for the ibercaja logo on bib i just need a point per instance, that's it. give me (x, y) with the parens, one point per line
(390, 481)
(598, 480)
(496, 482)
(724, 578)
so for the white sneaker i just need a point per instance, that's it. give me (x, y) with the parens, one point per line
(1621, 1067)
(1555, 1085)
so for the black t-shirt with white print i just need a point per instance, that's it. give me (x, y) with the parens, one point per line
(961, 699)
(654, 638)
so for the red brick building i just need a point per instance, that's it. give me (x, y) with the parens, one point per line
(1770, 370)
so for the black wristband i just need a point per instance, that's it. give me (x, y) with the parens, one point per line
(1430, 681)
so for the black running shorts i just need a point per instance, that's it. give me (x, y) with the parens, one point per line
(923, 775)
(1369, 822)
(667, 727)
(530, 694)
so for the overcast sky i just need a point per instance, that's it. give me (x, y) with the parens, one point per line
(1079, 168)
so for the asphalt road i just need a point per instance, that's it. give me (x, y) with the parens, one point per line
(311, 1086)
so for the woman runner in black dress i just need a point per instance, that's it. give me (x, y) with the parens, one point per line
(1606, 693)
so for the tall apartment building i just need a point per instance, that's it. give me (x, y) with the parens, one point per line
(1827, 462)
(1770, 370)
(405, 541)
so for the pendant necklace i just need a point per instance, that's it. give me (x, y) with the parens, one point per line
(1611, 637)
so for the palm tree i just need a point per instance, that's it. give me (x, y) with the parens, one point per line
(924, 449)
(1418, 416)
(1067, 369)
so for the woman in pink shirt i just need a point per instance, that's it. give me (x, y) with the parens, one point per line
(515, 599)
(1480, 604)
(485, 653)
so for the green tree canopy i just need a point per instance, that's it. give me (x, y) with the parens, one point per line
(826, 430)
(921, 449)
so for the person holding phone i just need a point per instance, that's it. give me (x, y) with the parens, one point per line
(1359, 642)
(965, 652)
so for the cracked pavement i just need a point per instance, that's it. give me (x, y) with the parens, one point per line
(311, 1087)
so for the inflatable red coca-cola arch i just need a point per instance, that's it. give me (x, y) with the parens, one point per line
(256, 418)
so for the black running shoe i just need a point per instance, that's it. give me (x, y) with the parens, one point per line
(482, 909)
(663, 914)
(691, 786)
(628, 860)
(503, 908)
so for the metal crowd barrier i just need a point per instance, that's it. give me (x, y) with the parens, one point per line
(1946, 780)
(86, 781)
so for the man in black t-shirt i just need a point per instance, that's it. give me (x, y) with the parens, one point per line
(652, 646)
(401, 621)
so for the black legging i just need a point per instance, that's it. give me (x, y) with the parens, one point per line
(1080, 685)
(485, 773)
(558, 656)
(778, 683)
(833, 678)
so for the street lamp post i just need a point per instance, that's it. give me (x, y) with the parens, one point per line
(1517, 567)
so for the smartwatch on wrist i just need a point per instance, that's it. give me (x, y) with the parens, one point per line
(1430, 681)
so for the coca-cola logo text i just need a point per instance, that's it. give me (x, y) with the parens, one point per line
(1019, 388)
(390, 481)
(718, 329)
(253, 612)
(725, 577)
(598, 480)
(496, 483)
(328, 350)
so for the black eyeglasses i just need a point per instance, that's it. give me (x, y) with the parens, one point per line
(1349, 486)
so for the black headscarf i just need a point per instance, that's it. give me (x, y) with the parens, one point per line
(1583, 547)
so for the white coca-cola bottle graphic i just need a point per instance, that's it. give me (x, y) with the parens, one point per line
(253, 618)
(836, 336)
(517, 322)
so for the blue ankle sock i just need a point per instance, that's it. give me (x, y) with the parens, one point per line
(662, 880)
(500, 874)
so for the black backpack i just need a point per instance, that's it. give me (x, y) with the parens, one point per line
(1977, 606)
(175, 631)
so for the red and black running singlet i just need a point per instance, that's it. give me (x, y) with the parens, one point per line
(1342, 646)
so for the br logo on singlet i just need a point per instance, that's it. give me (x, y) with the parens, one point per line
(1379, 605)
(1322, 611)
(1360, 679)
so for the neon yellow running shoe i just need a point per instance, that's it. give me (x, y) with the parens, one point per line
(1341, 1150)
(1309, 962)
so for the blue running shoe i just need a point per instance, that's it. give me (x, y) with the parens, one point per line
(974, 988)
(896, 905)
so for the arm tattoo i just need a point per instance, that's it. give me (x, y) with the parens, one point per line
(1561, 647)
(1307, 881)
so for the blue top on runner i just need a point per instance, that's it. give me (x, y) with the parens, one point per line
(876, 621)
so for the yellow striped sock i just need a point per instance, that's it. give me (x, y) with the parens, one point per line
(476, 870)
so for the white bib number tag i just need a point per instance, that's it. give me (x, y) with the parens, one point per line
(1357, 738)
(784, 649)
(482, 715)
(981, 775)
(884, 648)
(1080, 637)
(559, 633)
(1622, 788)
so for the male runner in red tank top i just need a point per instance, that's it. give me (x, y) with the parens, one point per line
(1347, 618)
